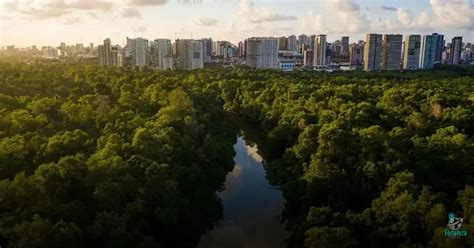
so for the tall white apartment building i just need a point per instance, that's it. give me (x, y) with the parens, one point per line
(262, 52)
(320, 46)
(161, 50)
(189, 54)
(139, 51)
(292, 43)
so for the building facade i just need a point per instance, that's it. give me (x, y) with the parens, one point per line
(356, 53)
(138, 51)
(292, 44)
(345, 46)
(262, 52)
(429, 44)
(456, 48)
(411, 53)
(373, 52)
(320, 47)
(308, 58)
(207, 49)
(282, 43)
(439, 47)
(189, 54)
(391, 51)
(160, 50)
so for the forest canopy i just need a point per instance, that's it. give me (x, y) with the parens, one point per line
(113, 157)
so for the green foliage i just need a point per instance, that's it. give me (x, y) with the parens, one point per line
(114, 157)
(92, 157)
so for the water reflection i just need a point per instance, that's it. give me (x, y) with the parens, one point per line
(251, 206)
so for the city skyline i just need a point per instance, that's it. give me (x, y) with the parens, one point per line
(26, 23)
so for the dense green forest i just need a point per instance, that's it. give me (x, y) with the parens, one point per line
(113, 157)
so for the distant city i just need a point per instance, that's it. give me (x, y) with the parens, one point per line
(377, 52)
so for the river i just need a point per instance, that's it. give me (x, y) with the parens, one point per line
(251, 207)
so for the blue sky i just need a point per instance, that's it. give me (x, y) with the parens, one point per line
(48, 22)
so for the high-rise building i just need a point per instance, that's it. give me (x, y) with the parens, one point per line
(335, 49)
(456, 48)
(282, 43)
(219, 47)
(303, 40)
(312, 40)
(207, 49)
(91, 49)
(189, 54)
(429, 44)
(439, 47)
(114, 51)
(308, 58)
(345, 46)
(138, 49)
(391, 51)
(241, 48)
(48, 52)
(411, 54)
(356, 53)
(160, 51)
(121, 58)
(107, 54)
(373, 52)
(128, 48)
(320, 50)
(262, 52)
(292, 43)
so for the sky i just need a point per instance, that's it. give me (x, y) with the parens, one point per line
(49, 22)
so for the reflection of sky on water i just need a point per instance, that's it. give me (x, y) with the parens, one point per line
(251, 207)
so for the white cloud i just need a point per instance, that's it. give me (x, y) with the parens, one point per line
(147, 2)
(248, 12)
(345, 5)
(444, 14)
(405, 17)
(313, 23)
(454, 13)
(130, 12)
(206, 21)
(350, 16)
(140, 29)
(92, 15)
(44, 9)
(72, 20)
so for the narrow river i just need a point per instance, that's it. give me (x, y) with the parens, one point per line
(251, 207)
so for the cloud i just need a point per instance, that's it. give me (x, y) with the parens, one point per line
(345, 5)
(248, 12)
(38, 9)
(405, 17)
(43, 13)
(454, 13)
(130, 12)
(206, 21)
(92, 15)
(388, 8)
(72, 20)
(350, 16)
(147, 2)
(438, 19)
(75, 4)
(140, 29)
(268, 16)
(313, 23)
